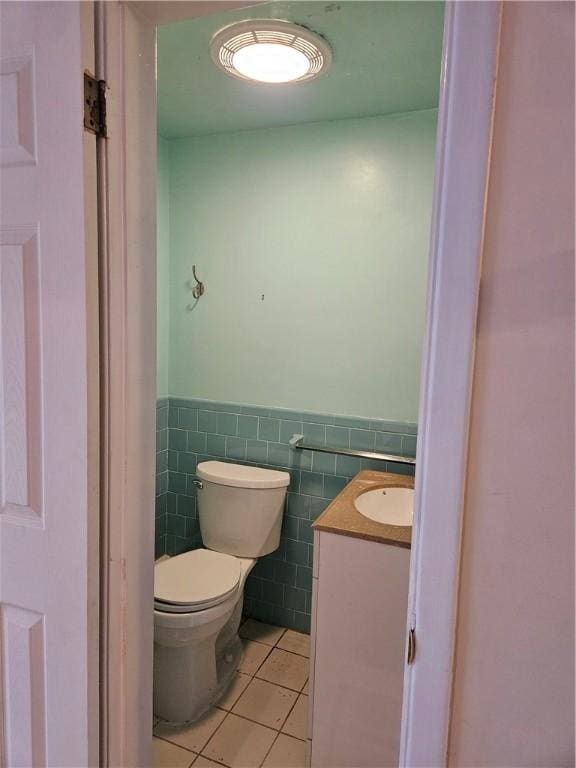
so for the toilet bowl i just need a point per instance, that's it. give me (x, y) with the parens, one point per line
(197, 651)
(198, 595)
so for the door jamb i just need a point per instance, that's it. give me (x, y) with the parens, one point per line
(464, 138)
(126, 57)
(462, 159)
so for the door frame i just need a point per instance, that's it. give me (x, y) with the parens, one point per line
(469, 67)
(463, 147)
(125, 59)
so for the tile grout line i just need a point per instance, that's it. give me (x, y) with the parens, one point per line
(294, 690)
(179, 746)
(283, 687)
(303, 741)
(213, 758)
(253, 640)
(290, 710)
(270, 750)
(247, 719)
(211, 737)
(242, 717)
(207, 740)
(269, 651)
(295, 653)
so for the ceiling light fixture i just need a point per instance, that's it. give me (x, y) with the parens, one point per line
(270, 51)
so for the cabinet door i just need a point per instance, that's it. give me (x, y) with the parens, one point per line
(360, 620)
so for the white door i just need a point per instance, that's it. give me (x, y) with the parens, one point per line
(48, 389)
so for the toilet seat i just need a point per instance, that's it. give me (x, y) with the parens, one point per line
(195, 581)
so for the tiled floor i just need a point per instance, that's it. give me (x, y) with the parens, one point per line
(260, 721)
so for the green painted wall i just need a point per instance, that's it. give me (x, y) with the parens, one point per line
(313, 242)
(163, 267)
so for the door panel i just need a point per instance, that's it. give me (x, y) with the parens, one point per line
(48, 501)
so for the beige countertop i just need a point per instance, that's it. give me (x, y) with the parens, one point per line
(342, 517)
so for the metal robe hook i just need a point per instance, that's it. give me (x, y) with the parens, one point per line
(198, 289)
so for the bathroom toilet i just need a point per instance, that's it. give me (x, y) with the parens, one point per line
(198, 595)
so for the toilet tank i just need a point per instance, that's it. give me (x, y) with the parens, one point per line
(240, 507)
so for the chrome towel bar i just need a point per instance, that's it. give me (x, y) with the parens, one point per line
(297, 442)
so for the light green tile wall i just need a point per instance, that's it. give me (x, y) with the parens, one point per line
(163, 266)
(312, 241)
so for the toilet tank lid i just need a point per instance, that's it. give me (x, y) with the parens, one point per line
(241, 476)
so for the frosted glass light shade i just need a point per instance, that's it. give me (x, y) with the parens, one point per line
(271, 63)
(270, 51)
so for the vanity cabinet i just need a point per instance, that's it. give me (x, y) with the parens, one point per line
(359, 606)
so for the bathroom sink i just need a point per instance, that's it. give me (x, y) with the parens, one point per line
(393, 506)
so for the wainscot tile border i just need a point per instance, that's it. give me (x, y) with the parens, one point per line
(279, 589)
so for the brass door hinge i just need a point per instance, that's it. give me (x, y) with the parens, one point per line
(95, 105)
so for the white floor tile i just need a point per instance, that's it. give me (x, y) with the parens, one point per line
(286, 669)
(265, 703)
(166, 755)
(203, 762)
(238, 686)
(263, 633)
(287, 752)
(193, 736)
(296, 642)
(239, 743)
(254, 655)
(297, 723)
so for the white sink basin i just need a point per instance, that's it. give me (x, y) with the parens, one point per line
(393, 506)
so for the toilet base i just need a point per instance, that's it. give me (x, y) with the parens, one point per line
(196, 657)
(193, 671)
(186, 705)
(227, 667)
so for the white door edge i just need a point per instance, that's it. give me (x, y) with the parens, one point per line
(469, 68)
